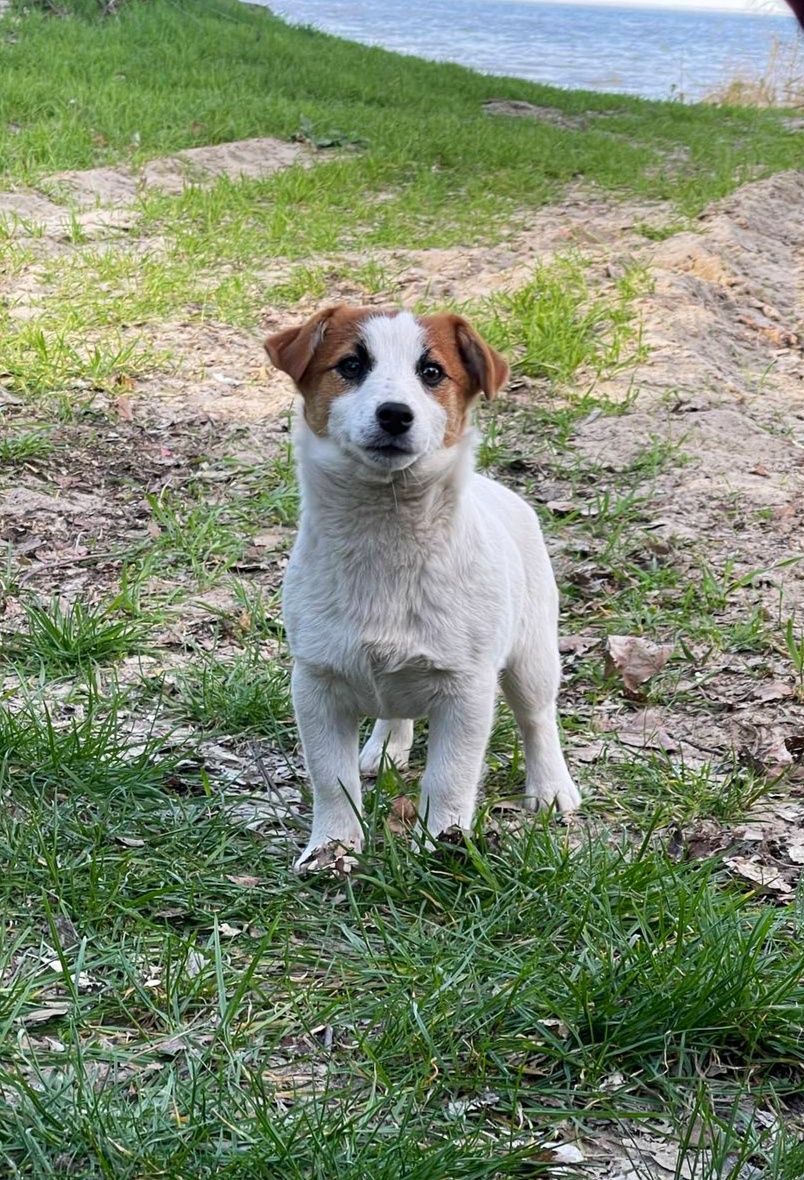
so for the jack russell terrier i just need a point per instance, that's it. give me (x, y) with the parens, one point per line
(415, 584)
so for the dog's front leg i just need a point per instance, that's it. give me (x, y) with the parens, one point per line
(460, 725)
(328, 728)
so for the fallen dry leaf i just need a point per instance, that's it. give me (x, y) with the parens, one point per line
(333, 858)
(796, 852)
(644, 731)
(769, 753)
(636, 660)
(173, 1046)
(43, 1015)
(227, 931)
(577, 645)
(402, 815)
(774, 690)
(194, 964)
(459, 1107)
(752, 869)
(567, 1153)
(568, 508)
(589, 752)
(269, 539)
(122, 405)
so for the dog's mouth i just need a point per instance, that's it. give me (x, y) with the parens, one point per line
(383, 455)
(388, 450)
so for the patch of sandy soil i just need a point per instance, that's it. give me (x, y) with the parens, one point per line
(725, 379)
(99, 201)
(554, 116)
(245, 158)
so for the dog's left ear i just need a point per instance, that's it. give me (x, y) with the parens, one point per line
(487, 368)
(292, 349)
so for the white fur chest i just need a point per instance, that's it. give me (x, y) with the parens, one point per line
(397, 598)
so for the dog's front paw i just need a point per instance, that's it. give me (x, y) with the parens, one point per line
(333, 856)
(561, 794)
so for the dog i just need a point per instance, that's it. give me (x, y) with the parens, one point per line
(415, 585)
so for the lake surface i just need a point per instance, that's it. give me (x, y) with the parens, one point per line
(654, 52)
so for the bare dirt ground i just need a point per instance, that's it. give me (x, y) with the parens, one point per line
(722, 384)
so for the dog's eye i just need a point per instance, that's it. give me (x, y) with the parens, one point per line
(431, 373)
(351, 367)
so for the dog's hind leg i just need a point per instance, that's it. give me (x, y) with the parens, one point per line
(530, 686)
(389, 739)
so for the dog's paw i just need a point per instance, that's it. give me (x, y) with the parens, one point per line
(331, 857)
(375, 754)
(563, 795)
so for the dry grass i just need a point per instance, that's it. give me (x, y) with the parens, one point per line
(780, 83)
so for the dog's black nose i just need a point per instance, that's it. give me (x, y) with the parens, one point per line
(395, 417)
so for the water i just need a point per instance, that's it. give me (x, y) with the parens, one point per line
(653, 52)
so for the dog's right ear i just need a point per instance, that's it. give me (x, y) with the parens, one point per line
(292, 349)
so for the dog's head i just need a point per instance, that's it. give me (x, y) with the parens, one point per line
(386, 386)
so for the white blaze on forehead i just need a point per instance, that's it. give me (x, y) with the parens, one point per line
(397, 341)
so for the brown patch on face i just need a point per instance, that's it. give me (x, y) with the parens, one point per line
(310, 352)
(470, 365)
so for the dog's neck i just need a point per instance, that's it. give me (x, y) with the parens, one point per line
(338, 488)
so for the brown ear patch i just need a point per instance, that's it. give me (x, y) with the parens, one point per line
(485, 365)
(309, 352)
(292, 349)
(471, 367)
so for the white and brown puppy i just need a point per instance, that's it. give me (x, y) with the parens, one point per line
(415, 585)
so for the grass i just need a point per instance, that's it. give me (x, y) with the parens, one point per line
(243, 695)
(779, 84)
(128, 87)
(72, 638)
(426, 971)
(196, 535)
(49, 353)
(657, 788)
(24, 446)
(400, 172)
(173, 1001)
(60, 748)
(553, 326)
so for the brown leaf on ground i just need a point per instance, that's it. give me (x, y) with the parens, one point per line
(569, 508)
(577, 645)
(753, 869)
(402, 815)
(769, 754)
(705, 839)
(635, 660)
(774, 690)
(332, 858)
(645, 731)
(123, 408)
